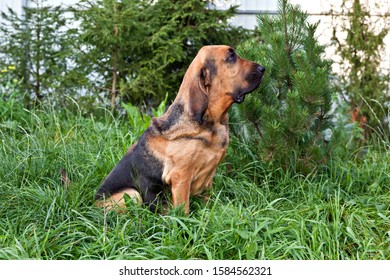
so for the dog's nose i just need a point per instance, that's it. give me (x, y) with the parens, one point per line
(261, 69)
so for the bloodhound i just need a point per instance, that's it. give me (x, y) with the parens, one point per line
(181, 150)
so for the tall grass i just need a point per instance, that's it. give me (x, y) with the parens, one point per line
(254, 212)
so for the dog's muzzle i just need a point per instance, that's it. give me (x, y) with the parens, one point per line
(253, 79)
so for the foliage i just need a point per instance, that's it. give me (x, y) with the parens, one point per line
(341, 214)
(363, 85)
(140, 122)
(106, 52)
(140, 50)
(38, 45)
(254, 212)
(178, 29)
(111, 35)
(11, 99)
(290, 112)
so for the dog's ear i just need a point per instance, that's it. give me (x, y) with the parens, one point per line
(198, 95)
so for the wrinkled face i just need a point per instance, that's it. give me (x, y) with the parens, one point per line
(230, 74)
(217, 78)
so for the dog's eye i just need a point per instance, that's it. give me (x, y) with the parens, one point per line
(231, 56)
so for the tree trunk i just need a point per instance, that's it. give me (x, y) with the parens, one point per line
(37, 86)
(114, 73)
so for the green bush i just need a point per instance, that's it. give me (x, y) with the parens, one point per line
(286, 119)
(11, 98)
(362, 84)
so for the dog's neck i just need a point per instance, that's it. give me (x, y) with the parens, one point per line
(211, 119)
(217, 110)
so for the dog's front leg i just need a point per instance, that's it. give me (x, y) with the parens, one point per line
(180, 189)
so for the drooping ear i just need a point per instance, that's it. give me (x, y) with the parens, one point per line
(198, 95)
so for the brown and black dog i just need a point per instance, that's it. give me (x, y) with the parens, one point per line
(181, 150)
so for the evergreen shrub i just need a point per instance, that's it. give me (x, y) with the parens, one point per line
(286, 121)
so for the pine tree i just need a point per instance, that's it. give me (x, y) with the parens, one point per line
(39, 48)
(290, 111)
(111, 34)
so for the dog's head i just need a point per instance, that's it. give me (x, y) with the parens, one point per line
(216, 79)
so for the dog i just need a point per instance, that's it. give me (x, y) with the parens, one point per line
(180, 151)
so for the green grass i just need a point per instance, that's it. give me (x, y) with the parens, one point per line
(254, 212)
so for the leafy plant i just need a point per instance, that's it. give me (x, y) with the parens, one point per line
(140, 122)
(11, 98)
(363, 85)
(291, 110)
